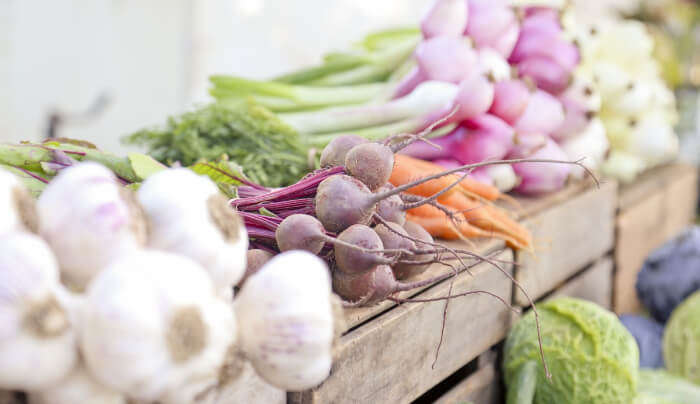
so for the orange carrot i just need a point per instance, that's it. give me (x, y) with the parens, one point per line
(408, 169)
(487, 217)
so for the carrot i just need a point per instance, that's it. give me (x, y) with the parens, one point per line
(462, 225)
(408, 169)
(488, 217)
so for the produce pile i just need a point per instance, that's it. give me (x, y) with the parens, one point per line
(593, 358)
(502, 81)
(669, 288)
(113, 295)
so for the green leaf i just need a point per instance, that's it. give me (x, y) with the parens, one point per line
(28, 178)
(222, 172)
(266, 212)
(144, 166)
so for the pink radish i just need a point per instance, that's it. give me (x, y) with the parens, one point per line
(445, 17)
(540, 178)
(510, 100)
(543, 115)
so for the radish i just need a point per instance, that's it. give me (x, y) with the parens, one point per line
(490, 22)
(445, 17)
(539, 178)
(446, 59)
(543, 115)
(510, 100)
(547, 74)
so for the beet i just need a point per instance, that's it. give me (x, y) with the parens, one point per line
(405, 269)
(334, 153)
(370, 163)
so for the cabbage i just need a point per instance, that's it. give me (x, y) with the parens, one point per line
(591, 356)
(682, 339)
(659, 386)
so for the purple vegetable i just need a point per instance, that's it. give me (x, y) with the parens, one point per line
(445, 17)
(545, 45)
(540, 178)
(474, 97)
(541, 22)
(483, 138)
(445, 58)
(546, 74)
(510, 100)
(492, 24)
(543, 115)
(576, 118)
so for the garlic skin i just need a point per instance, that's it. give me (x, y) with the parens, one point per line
(88, 220)
(189, 216)
(17, 207)
(285, 320)
(37, 344)
(152, 323)
(78, 387)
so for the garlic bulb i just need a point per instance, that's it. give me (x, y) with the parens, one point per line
(152, 323)
(17, 207)
(189, 216)
(286, 321)
(89, 220)
(78, 387)
(37, 344)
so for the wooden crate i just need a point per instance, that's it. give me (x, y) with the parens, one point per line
(651, 211)
(571, 229)
(390, 358)
(483, 386)
(594, 284)
(250, 388)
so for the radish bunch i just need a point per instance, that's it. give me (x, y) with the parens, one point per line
(535, 113)
(129, 296)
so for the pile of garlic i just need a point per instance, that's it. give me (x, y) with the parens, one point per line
(111, 296)
(637, 110)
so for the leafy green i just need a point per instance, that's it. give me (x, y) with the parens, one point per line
(660, 386)
(224, 173)
(682, 339)
(270, 152)
(144, 166)
(590, 354)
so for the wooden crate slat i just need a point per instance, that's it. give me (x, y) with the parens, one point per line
(389, 359)
(594, 284)
(481, 387)
(568, 236)
(250, 388)
(357, 316)
(667, 205)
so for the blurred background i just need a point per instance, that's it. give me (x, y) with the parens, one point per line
(99, 69)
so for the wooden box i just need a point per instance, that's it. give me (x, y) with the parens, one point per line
(572, 228)
(390, 358)
(651, 211)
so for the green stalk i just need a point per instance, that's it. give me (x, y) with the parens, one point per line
(386, 62)
(332, 64)
(376, 133)
(35, 157)
(34, 182)
(522, 390)
(286, 97)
